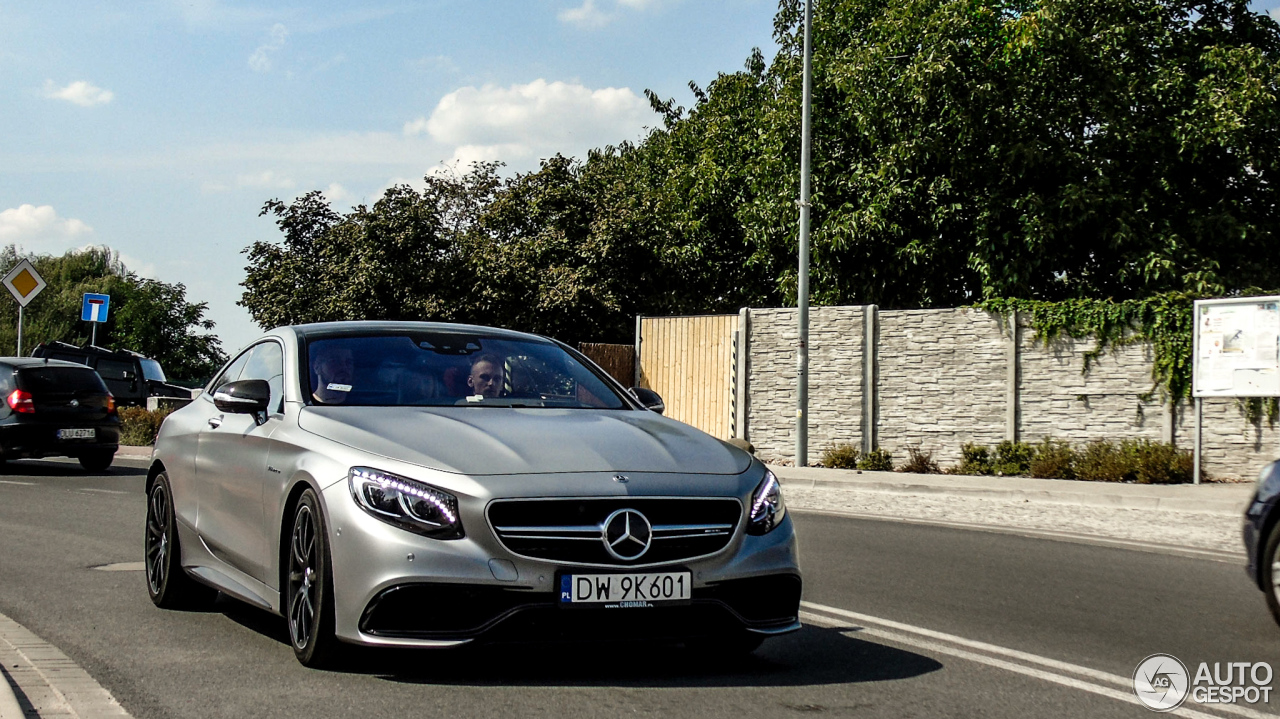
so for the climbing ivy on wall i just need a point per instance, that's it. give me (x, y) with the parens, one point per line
(1164, 320)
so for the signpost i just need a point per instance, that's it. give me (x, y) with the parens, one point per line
(94, 310)
(1236, 352)
(24, 283)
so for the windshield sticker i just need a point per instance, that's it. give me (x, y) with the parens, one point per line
(475, 398)
(339, 387)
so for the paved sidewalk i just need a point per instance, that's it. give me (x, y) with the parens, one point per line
(132, 452)
(1221, 499)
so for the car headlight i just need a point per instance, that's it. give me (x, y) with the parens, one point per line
(767, 508)
(406, 503)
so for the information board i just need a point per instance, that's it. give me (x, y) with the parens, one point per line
(1237, 347)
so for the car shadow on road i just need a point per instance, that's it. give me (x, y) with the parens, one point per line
(54, 468)
(814, 655)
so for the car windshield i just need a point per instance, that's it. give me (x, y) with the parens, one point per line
(433, 369)
(151, 370)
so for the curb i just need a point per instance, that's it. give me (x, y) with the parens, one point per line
(9, 706)
(127, 451)
(1227, 500)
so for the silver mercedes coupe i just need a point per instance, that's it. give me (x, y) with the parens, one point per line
(428, 485)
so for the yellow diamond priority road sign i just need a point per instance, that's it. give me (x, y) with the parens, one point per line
(24, 282)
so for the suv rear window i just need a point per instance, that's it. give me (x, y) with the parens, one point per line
(40, 380)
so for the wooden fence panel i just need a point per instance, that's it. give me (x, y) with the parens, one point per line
(689, 361)
(618, 360)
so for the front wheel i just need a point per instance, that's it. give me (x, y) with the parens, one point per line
(308, 594)
(167, 584)
(1270, 560)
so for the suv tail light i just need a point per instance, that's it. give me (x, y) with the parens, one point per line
(20, 401)
(111, 404)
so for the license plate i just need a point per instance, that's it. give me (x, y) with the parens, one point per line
(75, 433)
(625, 590)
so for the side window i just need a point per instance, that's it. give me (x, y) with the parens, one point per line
(266, 361)
(232, 372)
(115, 370)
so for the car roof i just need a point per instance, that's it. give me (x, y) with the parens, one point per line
(359, 327)
(20, 362)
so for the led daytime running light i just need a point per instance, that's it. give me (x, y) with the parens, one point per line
(405, 488)
(406, 503)
(762, 496)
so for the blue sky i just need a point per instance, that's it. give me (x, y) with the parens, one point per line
(159, 128)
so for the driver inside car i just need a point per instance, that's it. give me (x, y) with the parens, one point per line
(488, 376)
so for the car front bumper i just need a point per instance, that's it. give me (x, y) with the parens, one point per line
(395, 588)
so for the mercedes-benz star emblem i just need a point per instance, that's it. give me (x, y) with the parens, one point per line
(626, 534)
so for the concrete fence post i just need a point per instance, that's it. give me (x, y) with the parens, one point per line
(1011, 379)
(637, 352)
(870, 322)
(742, 347)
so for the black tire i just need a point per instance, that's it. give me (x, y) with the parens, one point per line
(308, 585)
(1267, 562)
(97, 460)
(168, 585)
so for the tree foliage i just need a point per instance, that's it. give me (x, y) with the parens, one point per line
(147, 316)
(963, 150)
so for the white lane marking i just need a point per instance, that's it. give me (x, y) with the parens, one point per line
(24, 484)
(53, 683)
(102, 491)
(1077, 669)
(1217, 555)
(121, 567)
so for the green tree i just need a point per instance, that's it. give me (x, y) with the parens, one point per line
(147, 316)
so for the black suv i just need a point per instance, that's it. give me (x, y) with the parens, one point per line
(54, 408)
(131, 377)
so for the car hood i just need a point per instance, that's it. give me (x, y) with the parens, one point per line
(500, 440)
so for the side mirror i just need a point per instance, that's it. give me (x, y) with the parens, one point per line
(649, 399)
(246, 396)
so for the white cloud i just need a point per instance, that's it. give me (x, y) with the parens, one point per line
(260, 60)
(80, 92)
(587, 15)
(40, 229)
(336, 193)
(531, 121)
(1275, 13)
(265, 179)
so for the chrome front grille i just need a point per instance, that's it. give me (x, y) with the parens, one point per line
(571, 531)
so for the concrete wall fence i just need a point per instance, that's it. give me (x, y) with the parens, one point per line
(936, 379)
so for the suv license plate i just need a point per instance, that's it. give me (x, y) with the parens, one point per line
(625, 590)
(75, 433)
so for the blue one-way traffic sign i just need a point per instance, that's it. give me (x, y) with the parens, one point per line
(95, 308)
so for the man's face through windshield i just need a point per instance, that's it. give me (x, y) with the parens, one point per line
(486, 377)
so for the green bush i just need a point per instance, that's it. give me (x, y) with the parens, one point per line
(1162, 463)
(1053, 460)
(974, 459)
(877, 460)
(1012, 458)
(1106, 461)
(919, 462)
(841, 456)
(138, 425)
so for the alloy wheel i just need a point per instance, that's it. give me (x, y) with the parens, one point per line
(158, 529)
(303, 585)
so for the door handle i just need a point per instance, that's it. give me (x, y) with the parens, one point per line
(215, 422)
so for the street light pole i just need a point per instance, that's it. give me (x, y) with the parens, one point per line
(802, 280)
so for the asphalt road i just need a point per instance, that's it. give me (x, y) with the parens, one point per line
(958, 623)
